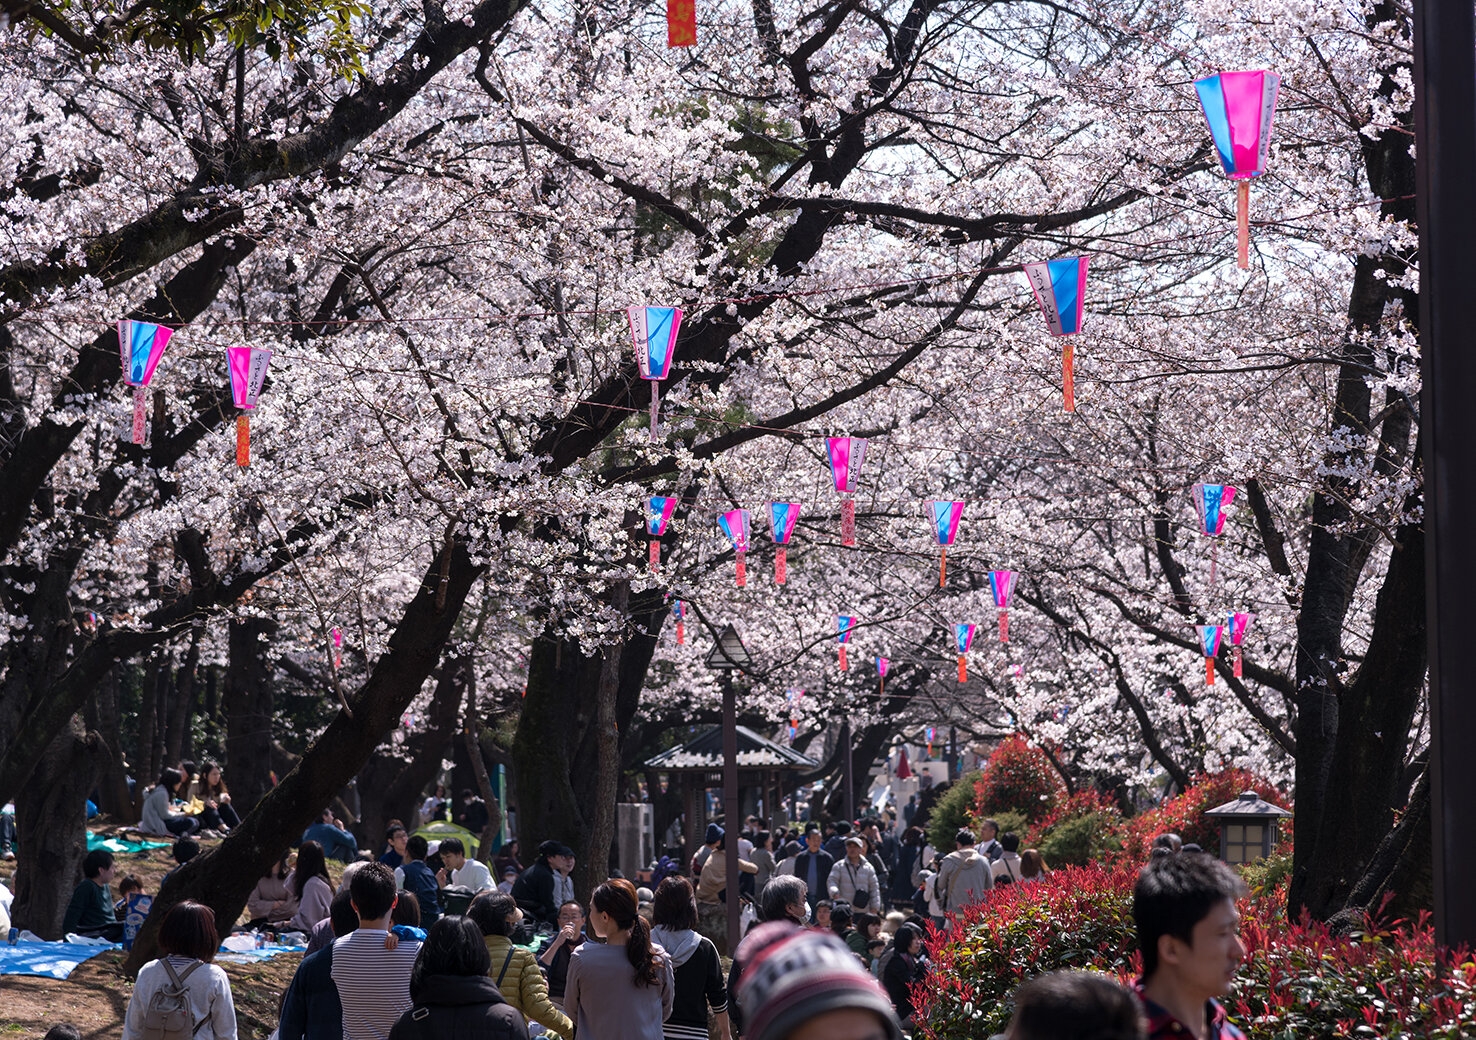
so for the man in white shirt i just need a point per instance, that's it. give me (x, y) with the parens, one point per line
(373, 983)
(460, 871)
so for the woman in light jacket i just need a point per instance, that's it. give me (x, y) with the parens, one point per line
(272, 901)
(187, 944)
(621, 989)
(310, 883)
(159, 816)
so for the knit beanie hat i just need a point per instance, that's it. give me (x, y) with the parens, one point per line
(714, 834)
(791, 975)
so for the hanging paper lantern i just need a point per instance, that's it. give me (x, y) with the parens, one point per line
(963, 637)
(658, 514)
(1209, 638)
(782, 518)
(1211, 502)
(679, 611)
(792, 695)
(735, 526)
(1239, 108)
(337, 649)
(141, 345)
(944, 517)
(681, 23)
(844, 624)
(654, 332)
(882, 666)
(846, 455)
(930, 733)
(1060, 290)
(248, 370)
(1002, 585)
(1237, 625)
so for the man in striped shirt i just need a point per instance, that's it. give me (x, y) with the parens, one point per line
(373, 982)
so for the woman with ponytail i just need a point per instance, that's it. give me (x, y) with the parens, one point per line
(621, 989)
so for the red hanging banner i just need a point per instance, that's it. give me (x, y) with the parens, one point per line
(681, 23)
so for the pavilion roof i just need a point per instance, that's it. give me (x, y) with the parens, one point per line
(705, 752)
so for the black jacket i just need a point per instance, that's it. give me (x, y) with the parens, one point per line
(802, 871)
(534, 891)
(899, 973)
(311, 1008)
(460, 1007)
(699, 986)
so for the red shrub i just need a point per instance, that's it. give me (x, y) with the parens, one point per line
(1184, 814)
(1018, 776)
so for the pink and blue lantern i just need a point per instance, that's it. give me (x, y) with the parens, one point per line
(735, 527)
(1060, 290)
(1211, 503)
(944, 517)
(653, 330)
(337, 648)
(882, 667)
(844, 625)
(141, 345)
(1209, 640)
(782, 518)
(846, 455)
(963, 639)
(1237, 625)
(679, 613)
(1002, 586)
(1240, 108)
(248, 372)
(659, 509)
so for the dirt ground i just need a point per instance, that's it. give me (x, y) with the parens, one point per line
(96, 996)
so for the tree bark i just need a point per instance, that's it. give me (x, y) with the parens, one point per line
(225, 876)
(471, 732)
(51, 829)
(248, 708)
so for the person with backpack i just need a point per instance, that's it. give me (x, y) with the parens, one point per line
(965, 877)
(453, 999)
(182, 995)
(1007, 868)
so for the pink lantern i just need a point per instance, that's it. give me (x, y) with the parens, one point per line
(1002, 585)
(846, 455)
(882, 666)
(1237, 625)
(658, 515)
(1239, 108)
(1211, 502)
(735, 526)
(141, 345)
(963, 637)
(1060, 290)
(1209, 639)
(248, 371)
(782, 518)
(654, 332)
(844, 624)
(944, 517)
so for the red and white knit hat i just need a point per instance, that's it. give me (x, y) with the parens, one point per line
(791, 974)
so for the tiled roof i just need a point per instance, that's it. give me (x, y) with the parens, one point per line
(705, 751)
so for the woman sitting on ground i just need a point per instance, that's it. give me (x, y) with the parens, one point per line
(159, 816)
(453, 995)
(514, 968)
(272, 901)
(311, 885)
(187, 944)
(218, 814)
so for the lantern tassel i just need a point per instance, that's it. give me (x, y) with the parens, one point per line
(843, 665)
(740, 570)
(1068, 376)
(243, 441)
(140, 413)
(848, 521)
(1209, 671)
(655, 556)
(1235, 659)
(1242, 224)
(781, 565)
(1004, 626)
(655, 406)
(943, 568)
(681, 632)
(963, 668)
(1214, 558)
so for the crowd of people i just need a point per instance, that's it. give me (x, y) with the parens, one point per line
(427, 940)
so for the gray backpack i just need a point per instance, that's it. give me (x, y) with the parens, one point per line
(168, 1016)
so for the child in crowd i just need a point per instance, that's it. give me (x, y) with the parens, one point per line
(129, 885)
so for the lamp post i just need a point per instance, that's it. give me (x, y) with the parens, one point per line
(1247, 828)
(728, 656)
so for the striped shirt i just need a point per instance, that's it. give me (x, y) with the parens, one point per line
(373, 983)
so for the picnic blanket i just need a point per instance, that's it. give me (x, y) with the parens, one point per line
(48, 959)
(251, 956)
(118, 845)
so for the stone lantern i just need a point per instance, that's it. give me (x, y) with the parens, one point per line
(1247, 828)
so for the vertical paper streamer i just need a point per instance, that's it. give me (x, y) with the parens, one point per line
(846, 455)
(782, 518)
(844, 623)
(681, 23)
(1209, 638)
(247, 367)
(735, 526)
(943, 518)
(1002, 586)
(1060, 292)
(1239, 108)
(141, 345)
(963, 638)
(654, 330)
(1237, 625)
(1211, 502)
(659, 509)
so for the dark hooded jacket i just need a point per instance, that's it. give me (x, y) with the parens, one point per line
(460, 1007)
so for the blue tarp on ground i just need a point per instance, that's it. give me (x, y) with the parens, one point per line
(47, 959)
(249, 956)
(119, 846)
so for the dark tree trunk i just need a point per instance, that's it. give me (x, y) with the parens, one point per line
(105, 718)
(52, 831)
(148, 727)
(391, 781)
(225, 876)
(248, 709)
(471, 732)
(180, 704)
